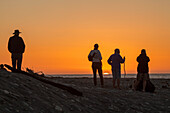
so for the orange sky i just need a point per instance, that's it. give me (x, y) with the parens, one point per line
(59, 34)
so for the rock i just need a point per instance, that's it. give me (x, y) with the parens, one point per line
(31, 108)
(72, 100)
(7, 109)
(15, 84)
(58, 108)
(115, 108)
(6, 92)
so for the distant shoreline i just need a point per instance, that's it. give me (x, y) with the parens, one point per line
(152, 76)
(92, 73)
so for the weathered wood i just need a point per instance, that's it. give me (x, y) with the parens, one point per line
(42, 79)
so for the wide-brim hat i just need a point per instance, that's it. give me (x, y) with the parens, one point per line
(16, 31)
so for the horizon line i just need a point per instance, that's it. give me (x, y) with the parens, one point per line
(92, 73)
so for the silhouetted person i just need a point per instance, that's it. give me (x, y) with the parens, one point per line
(16, 47)
(115, 60)
(143, 70)
(96, 64)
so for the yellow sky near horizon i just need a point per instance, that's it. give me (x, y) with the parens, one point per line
(59, 34)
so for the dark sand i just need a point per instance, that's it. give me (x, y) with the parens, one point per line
(22, 94)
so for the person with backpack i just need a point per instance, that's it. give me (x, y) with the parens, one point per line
(115, 60)
(143, 69)
(95, 57)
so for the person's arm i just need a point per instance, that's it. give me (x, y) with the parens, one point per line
(23, 45)
(148, 59)
(9, 45)
(138, 59)
(122, 60)
(110, 60)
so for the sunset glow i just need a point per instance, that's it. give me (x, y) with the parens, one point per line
(59, 34)
(106, 73)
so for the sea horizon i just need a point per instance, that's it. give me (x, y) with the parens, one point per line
(152, 75)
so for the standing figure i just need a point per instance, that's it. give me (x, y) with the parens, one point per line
(96, 58)
(16, 47)
(115, 60)
(143, 70)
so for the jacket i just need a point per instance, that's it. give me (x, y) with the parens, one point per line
(16, 45)
(115, 60)
(143, 60)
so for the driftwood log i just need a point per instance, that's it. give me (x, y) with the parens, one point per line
(42, 79)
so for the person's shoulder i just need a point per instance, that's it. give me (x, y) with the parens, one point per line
(91, 51)
(98, 51)
(11, 37)
(139, 56)
(112, 55)
(20, 37)
(119, 55)
(147, 57)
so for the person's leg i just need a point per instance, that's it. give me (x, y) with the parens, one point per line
(139, 78)
(118, 83)
(144, 85)
(94, 74)
(19, 61)
(114, 83)
(13, 57)
(118, 76)
(145, 78)
(100, 74)
(134, 85)
(114, 78)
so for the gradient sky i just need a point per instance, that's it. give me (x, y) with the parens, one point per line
(59, 34)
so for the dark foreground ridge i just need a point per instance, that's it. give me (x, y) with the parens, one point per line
(25, 94)
(64, 87)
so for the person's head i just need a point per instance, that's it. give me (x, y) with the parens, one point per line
(117, 51)
(143, 52)
(16, 32)
(96, 46)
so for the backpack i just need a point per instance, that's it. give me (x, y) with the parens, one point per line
(90, 57)
(149, 86)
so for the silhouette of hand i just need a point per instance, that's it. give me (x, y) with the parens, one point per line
(124, 57)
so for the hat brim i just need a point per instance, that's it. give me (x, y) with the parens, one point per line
(18, 32)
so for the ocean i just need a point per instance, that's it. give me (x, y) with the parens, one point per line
(152, 76)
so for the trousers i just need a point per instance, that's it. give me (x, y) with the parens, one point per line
(97, 66)
(16, 59)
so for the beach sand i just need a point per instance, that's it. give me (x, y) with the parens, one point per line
(23, 94)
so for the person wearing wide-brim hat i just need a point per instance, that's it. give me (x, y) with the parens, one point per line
(16, 47)
(16, 32)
